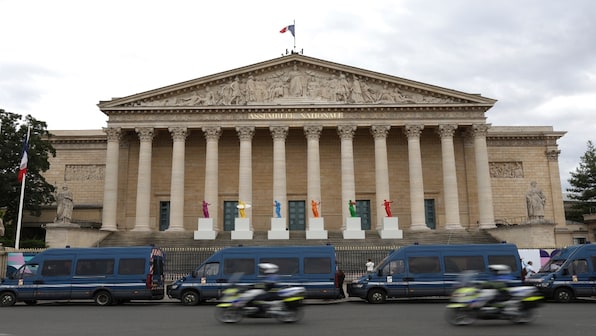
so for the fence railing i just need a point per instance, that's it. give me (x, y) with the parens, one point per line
(182, 261)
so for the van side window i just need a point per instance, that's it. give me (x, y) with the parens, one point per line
(457, 264)
(56, 267)
(95, 267)
(424, 265)
(578, 266)
(317, 265)
(131, 266)
(394, 267)
(508, 260)
(287, 266)
(239, 265)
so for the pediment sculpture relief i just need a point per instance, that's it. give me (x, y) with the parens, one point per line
(298, 86)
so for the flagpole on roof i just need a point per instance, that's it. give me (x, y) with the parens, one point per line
(294, 34)
(19, 220)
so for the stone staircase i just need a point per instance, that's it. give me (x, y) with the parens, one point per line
(185, 239)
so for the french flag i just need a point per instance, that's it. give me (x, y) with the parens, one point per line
(289, 28)
(24, 160)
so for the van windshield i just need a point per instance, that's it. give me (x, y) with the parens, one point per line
(26, 271)
(552, 265)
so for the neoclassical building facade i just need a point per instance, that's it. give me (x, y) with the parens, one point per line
(313, 137)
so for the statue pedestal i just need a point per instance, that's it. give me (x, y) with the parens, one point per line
(316, 228)
(71, 234)
(278, 229)
(353, 228)
(241, 229)
(391, 229)
(205, 230)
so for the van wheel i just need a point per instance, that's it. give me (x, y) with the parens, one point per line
(7, 299)
(190, 298)
(376, 296)
(103, 298)
(563, 295)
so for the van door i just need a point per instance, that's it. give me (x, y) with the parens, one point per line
(24, 279)
(394, 276)
(424, 276)
(582, 278)
(210, 280)
(54, 282)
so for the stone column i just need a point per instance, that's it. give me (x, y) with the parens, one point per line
(144, 179)
(552, 156)
(348, 185)
(110, 188)
(313, 165)
(245, 133)
(381, 170)
(413, 133)
(486, 213)
(211, 194)
(177, 180)
(279, 134)
(450, 192)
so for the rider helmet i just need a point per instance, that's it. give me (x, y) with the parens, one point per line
(268, 268)
(499, 269)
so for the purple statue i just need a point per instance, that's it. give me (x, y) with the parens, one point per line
(206, 209)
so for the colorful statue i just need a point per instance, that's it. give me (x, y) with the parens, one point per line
(387, 205)
(352, 207)
(314, 205)
(206, 209)
(277, 208)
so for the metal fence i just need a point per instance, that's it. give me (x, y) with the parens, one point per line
(182, 261)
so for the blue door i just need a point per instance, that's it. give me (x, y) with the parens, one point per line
(429, 213)
(230, 212)
(164, 215)
(363, 211)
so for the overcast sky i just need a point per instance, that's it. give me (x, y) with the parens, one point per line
(59, 58)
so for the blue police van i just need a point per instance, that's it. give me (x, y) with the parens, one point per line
(569, 274)
(106, 275)
(312, 267)
(432, 270)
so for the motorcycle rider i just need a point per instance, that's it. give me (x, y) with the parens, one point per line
(500, 276)
(267, 292)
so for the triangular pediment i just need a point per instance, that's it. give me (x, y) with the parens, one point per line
(296, 80)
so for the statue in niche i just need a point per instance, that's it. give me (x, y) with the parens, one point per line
(64, 205)
(535, 201)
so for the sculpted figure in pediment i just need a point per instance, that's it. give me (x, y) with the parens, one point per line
(297, 86)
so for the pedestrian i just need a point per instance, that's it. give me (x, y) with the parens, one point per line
(530, 269)
(370, 266)
(340, 276)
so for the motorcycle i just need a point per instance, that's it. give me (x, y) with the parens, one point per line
(284, 304)
(469, 303)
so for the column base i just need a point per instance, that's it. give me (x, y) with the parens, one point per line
(391, 229)
(354, 228)
(205, 230)
(242, 229)
(316, 228)
(278, 229)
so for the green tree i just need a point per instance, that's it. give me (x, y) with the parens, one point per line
(583, 184)
(37, 191)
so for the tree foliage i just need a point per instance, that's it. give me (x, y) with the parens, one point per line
(583, 181)
(37, 191)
